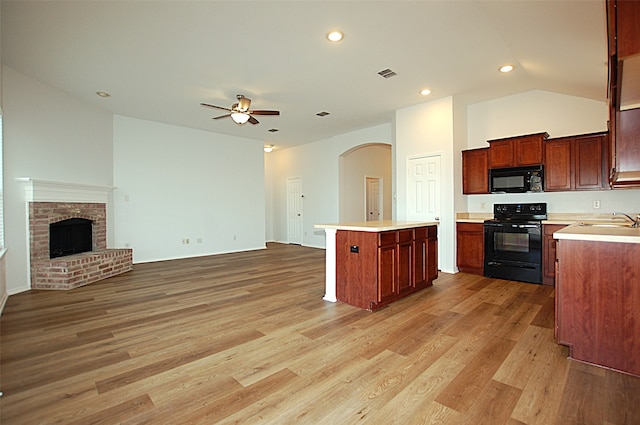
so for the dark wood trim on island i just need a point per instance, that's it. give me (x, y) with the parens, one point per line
(372, 264)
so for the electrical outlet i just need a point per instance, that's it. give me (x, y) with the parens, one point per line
(596, 204)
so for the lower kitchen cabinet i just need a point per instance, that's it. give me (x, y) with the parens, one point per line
(549, 253)
(597, 298)
(374, 269)
(425, 254)
(470, 247)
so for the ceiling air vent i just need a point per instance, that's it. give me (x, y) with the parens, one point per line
(386, 73)
(322, 114)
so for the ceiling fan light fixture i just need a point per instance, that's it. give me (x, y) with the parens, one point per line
(239, 117)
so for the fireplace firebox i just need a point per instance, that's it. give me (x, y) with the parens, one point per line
(71, 236)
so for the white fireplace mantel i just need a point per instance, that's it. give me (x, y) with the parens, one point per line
(52, 191)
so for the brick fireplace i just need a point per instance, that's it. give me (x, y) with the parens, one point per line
(75, 201)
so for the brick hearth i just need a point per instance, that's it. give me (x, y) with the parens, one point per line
(79, 269)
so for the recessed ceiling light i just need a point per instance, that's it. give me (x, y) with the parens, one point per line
(425, 92)
(103, 94)
(268, 148)
(506, 68)
(335, 36)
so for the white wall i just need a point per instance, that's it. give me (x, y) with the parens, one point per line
(534, 112)
(175, 183)
(428, 129)
(317, 165)
(48, 135)
(559, 115)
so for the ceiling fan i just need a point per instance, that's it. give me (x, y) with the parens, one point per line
(240, 112)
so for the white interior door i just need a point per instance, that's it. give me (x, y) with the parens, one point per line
(294, 210)
(373, 199)
(423, 184)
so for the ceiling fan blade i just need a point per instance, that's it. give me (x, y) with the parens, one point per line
(253, 120)
(221, 116)
(263, 112)
(214, 106)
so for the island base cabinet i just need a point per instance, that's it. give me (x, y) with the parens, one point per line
(374, 269)
(597, 298)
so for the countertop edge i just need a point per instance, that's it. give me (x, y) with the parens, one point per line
(377, 226)
(595, 234)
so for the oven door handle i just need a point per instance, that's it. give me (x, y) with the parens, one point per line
(510, 225)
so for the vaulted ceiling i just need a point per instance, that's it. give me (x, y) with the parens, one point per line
(160, 60)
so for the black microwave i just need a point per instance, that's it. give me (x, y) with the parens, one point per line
(516, 180)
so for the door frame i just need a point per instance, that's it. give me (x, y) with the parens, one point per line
(300, 215)
(380, 196)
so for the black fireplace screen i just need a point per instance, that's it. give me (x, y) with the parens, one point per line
(69, 237)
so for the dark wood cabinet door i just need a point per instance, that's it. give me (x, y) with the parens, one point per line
(557, 165)
(501, 154)
(420, 257)
(432, 254)
(528, 151)
(628, 141)
(470, 249)
(588, 154)
(628, 30)
(405, 266)
(475, 171)
(387, 273)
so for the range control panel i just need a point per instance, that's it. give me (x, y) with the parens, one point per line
(535, 211)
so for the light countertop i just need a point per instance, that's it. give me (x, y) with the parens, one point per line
(376, 226)
(599, 233)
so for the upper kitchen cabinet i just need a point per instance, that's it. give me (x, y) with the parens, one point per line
(517, 151)
(475, 171)
(576, 163)
(623, 25)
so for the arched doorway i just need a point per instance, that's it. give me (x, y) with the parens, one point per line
(358, 166)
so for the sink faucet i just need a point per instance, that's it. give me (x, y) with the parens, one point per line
(636, 221)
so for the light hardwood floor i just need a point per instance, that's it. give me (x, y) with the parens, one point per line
(246, 338)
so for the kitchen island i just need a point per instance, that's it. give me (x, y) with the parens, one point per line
(373, 263)
(598, 293)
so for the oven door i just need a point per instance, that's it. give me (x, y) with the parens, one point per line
(513, 251)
